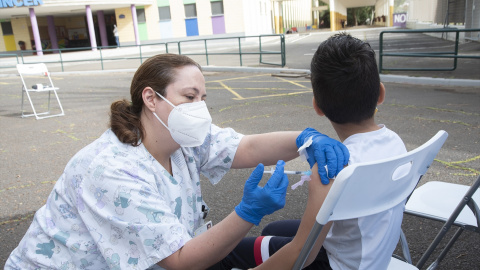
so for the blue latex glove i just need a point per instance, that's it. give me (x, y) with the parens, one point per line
(258, 202)
(324, 151)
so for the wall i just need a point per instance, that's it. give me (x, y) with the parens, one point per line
(204, 13)
(472, 18)
(21, 32)
(177, 12)
(2, 43)
(449, 36)
(257, 17)
(234, 15)
(422, 10)
(153, 28)
(126, 32)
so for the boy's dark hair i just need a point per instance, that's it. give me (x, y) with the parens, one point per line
(345, 79)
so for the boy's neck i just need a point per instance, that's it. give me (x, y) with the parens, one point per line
(346, 130)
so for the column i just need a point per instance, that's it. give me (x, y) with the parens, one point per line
(102, 27)
(91, 28)
(390, 12)
(36, 33)
(135, 24)
(338, 13)
(52, 33)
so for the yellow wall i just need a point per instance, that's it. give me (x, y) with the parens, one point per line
(153, 28)
(9, 43)
(20, 28)
(390, 15)
(126, 32)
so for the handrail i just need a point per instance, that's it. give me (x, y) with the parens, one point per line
(10, 55)
(454, 54)
(99, 54)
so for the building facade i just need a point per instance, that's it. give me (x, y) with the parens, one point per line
(53, 24)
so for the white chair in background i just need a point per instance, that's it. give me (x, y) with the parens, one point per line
(446, 203)
(365, 189)
(36, 79)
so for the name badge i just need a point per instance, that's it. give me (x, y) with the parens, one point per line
(202, 229)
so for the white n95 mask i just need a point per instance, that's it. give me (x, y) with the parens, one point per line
(188, 123)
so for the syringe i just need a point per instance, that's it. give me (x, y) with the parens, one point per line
(271, 171)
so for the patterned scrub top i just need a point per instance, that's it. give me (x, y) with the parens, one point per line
(116, 207)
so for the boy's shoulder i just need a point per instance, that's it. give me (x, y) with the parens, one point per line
(374, 145)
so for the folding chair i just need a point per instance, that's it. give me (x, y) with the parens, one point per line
(369, 188)
(32, 74)
(445, 202)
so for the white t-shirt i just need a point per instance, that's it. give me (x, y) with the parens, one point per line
(116, 207)
(367, 242)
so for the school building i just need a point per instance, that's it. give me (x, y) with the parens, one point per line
(53, 24)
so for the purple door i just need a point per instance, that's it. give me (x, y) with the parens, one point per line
(218, 24)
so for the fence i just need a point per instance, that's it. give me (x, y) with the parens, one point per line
(225, 46)
(447, 54)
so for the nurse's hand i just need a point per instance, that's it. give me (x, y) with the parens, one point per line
(258, 202)
(324, 151)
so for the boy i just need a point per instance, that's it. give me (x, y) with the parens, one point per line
(347, 89)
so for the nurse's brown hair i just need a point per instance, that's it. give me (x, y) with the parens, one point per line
(157, 72)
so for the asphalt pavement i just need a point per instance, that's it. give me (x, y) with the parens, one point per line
(257, 99)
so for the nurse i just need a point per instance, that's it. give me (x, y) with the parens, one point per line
(132, 199)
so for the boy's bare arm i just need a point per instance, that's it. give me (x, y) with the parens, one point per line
(285, 258)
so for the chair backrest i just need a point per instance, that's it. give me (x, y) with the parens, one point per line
(368, 188)
(32, 69)
(29, 74)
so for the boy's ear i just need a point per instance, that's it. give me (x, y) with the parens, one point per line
(316, 108)
(381, 96)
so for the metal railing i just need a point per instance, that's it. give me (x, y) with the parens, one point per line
(209, 47)
(10, 55)
(447, 54)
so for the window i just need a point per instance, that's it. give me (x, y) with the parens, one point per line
(7, 28)
(190, 10)
(217, 8)
(164, 13)
(141, 15)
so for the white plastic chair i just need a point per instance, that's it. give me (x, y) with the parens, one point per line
(369, 188)
(445, 202)
(36, 79)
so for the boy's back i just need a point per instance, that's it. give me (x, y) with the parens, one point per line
(346, 89)
(367, 242)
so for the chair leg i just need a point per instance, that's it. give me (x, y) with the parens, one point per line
(23, 90)
(444, 252)
(49, 95)
(405, 250)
